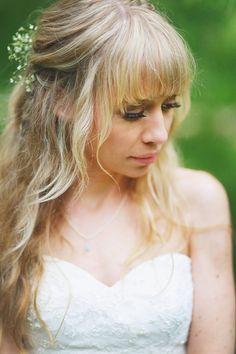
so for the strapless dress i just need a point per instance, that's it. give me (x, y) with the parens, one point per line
(148, 311)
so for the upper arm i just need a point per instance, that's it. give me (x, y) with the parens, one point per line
(213, 321)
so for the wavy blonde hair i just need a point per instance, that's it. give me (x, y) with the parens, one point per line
(84, 51)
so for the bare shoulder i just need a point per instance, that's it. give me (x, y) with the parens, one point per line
(205, 197)
(213, 319)
(207, 204)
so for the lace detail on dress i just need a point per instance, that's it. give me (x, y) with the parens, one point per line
(148, 311)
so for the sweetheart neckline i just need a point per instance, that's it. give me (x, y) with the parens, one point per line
(131, 271)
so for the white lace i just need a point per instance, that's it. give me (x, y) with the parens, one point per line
(148, 311)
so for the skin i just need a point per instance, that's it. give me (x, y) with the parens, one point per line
(134, 138)
(212, 329)
(213, 321)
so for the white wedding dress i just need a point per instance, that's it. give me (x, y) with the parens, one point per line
(147, 312)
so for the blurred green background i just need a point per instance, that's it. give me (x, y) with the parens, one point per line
(207, 140)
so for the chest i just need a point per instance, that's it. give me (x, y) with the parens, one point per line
(104, 252)
(150, 306)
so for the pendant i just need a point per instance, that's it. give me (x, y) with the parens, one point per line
(87, 248)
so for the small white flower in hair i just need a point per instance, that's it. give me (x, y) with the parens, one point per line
(18, 52)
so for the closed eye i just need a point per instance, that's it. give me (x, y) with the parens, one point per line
(169, 105)
(132, 116)
(133, 113)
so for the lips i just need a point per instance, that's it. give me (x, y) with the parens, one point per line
(145, 156)
(145, 159)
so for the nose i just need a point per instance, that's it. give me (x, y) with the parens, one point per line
(155, 130)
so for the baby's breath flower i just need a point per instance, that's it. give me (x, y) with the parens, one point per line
(18, 52)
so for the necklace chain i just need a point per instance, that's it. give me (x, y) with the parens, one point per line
(98, 232)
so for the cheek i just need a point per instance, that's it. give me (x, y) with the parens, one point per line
(168, 122)
(120, 137)
(112, 147)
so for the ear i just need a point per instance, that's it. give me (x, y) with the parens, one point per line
(59, 113)
(59, 110)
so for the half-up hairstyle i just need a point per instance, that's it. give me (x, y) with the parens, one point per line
(111, 52)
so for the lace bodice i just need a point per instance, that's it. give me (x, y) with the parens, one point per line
(148, 311)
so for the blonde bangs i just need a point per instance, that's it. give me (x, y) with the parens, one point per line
(159, 66)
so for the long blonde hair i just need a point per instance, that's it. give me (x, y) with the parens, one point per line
(84, 51)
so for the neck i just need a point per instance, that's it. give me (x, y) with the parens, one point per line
(100, 189)
(103, 184)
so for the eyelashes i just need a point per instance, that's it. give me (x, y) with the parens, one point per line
(136, 115)
(166, 106)
(133, 115)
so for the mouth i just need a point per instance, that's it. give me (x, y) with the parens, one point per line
(145, 159)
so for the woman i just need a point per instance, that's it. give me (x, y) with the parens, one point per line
(102, 233)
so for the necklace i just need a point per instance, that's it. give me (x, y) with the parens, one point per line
(88, 238)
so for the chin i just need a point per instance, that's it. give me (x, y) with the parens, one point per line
(137, 173)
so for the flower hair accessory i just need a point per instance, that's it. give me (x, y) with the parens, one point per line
(18, 52)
